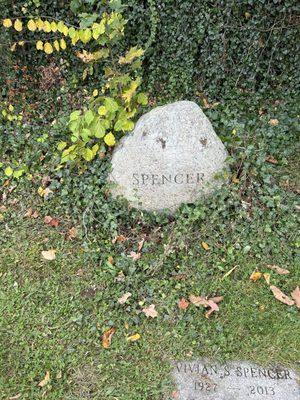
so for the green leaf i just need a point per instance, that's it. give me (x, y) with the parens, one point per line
(8, 171)
(85, 134)
(111, 105)
(19, 173)
(75, 115)
(88, 154)
(98, 129)
(61, 145)
(142, 98)
(89, 116)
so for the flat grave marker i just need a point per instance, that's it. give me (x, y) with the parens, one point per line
(203, 380)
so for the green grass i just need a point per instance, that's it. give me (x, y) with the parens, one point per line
(52, 317)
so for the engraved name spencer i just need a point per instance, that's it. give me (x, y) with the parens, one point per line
(167, 179)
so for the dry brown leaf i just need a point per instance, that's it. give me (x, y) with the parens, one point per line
(135, 256)
(134, 338)
(267, 278)
(51, 221)
(119, 238)
(17, 396)
(255, 276)
(271, 160)
(279, 270)
(124, 298)
(150, 311)
(45, 380)
(30, 213)
(213, 307)
(110, 260)
(72, 233)
(217, 299)
(183, 304)
(120, 277)
(198, 301)
(107, 337)
(273, 122)
(140, 245)
(48, 255)
(205, 245)
(279, 295)
(296, 296)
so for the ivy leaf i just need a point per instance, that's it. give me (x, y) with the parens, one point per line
(133, 53)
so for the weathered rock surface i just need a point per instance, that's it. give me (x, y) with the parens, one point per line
(171, 157)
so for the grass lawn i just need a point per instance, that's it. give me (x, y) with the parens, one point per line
(54, 313)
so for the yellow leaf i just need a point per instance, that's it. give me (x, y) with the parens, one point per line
(134, 338)
(21, 43)
(75, 38)
(7, 23)
(65, 30)
(31, 25)
(48, 255)
(40, 24)
(18, 25)
(133, 53)
(205, 245)
(267, 278)
(53, 26)
(13, 47)
(63, 44)
(128, 94)
(229, 272)
(235, 180)
(47, 27)
(255, 276)
(56, 45)
(39, 45)
(102, 110)
(95, 93)
(273, 122)
(45, 380)
(48, 49)
(109, 139)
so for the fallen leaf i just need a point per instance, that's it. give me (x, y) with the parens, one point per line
(107, 336)
(183, 304)
(17, 396)
(279, 295)
(140, 245)
(271, 160)
(175, 395)
(296, 296)
(213, 307)
(150, 311)
(135, 256)
(273, 122)
(51, 221)
(30, 213)
(255, 276)
(110, 260)
(217, 299)
(235, 180)
(120, 277)
(72, 233)
(124, 298)
(119, 238)
(134, 338)
(279, 270)
(48, 255)
(198, 301)
(205, 245)
(45, 380)
(80, 272)
(267, 278)
(228, 272)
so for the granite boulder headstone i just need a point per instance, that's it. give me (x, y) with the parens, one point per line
(173, 156)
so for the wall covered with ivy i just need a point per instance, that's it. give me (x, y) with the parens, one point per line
(212, 47)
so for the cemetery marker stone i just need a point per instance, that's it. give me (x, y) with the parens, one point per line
(202, 380)
(172, 157)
